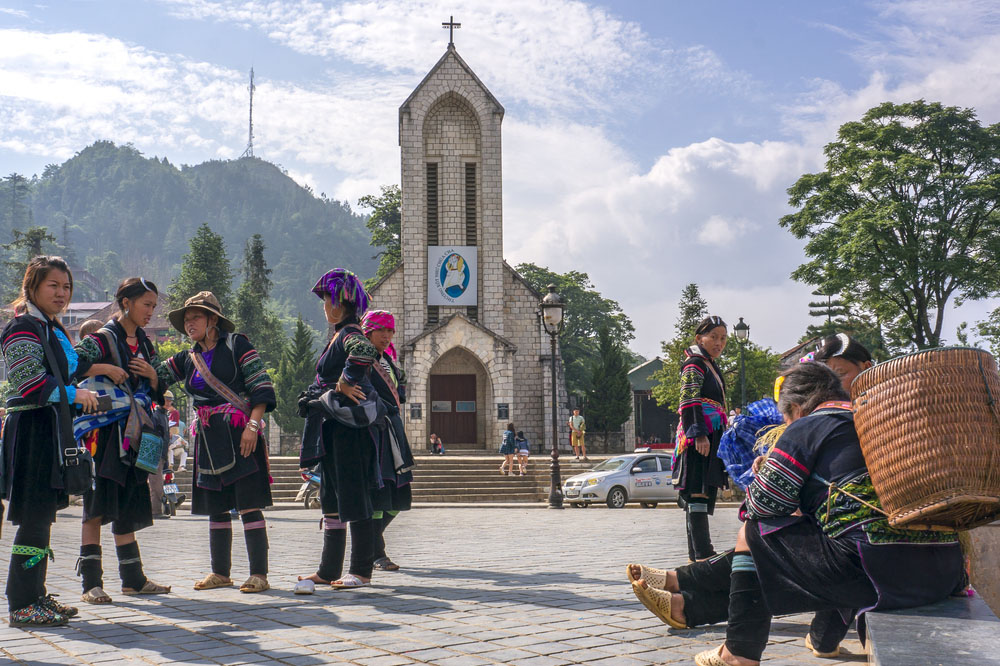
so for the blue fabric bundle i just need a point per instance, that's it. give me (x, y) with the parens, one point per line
(737, 448)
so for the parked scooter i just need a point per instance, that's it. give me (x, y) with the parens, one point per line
(172, 498)
(309, 490)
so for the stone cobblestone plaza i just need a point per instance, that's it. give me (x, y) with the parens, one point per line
(520, 586)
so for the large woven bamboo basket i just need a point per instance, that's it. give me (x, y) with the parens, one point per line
(929, 425)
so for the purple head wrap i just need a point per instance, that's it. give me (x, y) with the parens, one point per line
(343, 287)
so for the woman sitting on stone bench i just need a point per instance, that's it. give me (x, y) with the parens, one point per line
(804, 547)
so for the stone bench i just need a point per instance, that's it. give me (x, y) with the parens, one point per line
(960, 631)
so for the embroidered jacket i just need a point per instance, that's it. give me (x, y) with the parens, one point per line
(28, 370)
(698, 383)
(349, 357)
(235, 363)
(95, 349)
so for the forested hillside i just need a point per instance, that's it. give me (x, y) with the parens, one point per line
(116, 212)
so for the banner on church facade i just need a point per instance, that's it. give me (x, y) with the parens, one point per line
(451, 275)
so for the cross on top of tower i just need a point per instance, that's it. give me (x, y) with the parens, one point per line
(451, 25)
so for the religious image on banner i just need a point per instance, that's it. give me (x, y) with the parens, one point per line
(451, 275)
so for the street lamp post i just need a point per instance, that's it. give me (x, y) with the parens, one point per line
(742, 331)
(552, 319)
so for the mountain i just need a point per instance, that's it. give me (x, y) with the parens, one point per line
(119, 213)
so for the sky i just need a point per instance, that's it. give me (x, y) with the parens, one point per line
(648, 143)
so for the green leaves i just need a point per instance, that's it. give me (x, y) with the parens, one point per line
(295, 372)
(905, 216)
(204, 268)
(385, 224)
(609, 402)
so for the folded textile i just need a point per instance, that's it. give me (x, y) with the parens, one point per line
(738, 447)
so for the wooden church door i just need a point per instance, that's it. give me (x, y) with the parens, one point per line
(453, 408)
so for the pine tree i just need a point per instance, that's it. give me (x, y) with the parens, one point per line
(26, 246)
(205, 267)
(252, 315)
(610, 401)
(691, 309)
(295, 372)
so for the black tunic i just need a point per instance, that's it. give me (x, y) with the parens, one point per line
(247, 484)
(395, 493)
(697, 474)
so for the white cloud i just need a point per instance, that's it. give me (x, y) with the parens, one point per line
(718, 230)
(19, 13)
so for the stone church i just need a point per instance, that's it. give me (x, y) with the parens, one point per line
(467, 325)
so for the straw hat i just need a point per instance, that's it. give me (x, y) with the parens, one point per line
(203, 300)
(168, 395)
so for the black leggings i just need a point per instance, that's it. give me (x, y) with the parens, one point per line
(26, 585)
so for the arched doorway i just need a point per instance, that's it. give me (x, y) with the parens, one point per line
(461, 394)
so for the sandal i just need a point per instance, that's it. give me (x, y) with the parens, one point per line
(655, 578)
(817, 653)
(148, 588)
(36, 615)
(349, 582)
(49, 601)
(254, 584)
(385, 564)
(657, 602)
(96, 595)
(711, 657)
(212, 581)
(304, 586)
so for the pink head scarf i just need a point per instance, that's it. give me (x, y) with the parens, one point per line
(377, 319)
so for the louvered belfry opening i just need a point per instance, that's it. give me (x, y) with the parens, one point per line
(432, 225)
(470, 220)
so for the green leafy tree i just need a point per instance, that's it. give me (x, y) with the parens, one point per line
(905, 217)
(295, 372)
(205, 267)
(253, 316)
(691, 309)
(15, 203)
(385, 224)
(586, 312)
(164, 350)
(762, 368)
(25, 246)
(609, 402)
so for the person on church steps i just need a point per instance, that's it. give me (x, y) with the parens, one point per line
(30, 478)
(804, 547)
(231, 391)
(343, 414)
(698, 471)
(122, 353)
(394, 456)
(507, 450)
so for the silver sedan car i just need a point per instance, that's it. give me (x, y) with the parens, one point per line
(633, 477)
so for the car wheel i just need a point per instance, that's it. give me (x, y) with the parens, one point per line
(617, 498)
(648, 505)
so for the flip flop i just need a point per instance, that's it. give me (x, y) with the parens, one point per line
(817, 653)
(149, 588)
(656, 602)
(304, 586)
(212, 581)
(254, 584)
(711, 657)
(656, 578)
(385, 564)
(349, 582)
(96, 595)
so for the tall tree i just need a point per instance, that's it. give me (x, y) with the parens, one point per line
(586, 312)
(295, 371)
(691, 309)
(252, 314)
(25, 246)
(15, 203)
(385, 224)
(905, 217)
(609, 402)
(205, 267)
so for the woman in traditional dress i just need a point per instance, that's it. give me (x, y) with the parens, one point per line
(804, 546)
(342, 411)
(394, 456)
(698, 471)
(231, 391)
(30, 477)
(122, 352)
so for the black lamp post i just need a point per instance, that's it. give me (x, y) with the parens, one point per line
(552, 319)
(742, 332)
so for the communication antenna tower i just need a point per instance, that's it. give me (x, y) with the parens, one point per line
(249, 150)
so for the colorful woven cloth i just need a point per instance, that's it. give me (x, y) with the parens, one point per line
(375, 320)
(715, 419)
(234, 417)
(119, 411)
(343, 287)
(738, 448)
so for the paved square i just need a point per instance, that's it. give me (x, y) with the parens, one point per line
(527, 587)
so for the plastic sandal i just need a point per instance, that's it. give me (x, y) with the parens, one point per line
(817, 653)
(349, 582)
(96, 595)
(212, 581)
(149, 588)
(305, 586)
(255, 584)
(657, 602)
(711, 657)
(49, 601)
(655, 578)
(385, 564)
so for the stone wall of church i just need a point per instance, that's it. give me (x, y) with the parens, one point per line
(388, 295)
(524, 330)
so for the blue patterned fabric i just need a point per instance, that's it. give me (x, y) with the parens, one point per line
(119, 411)
(738, 446)
(71, 363)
